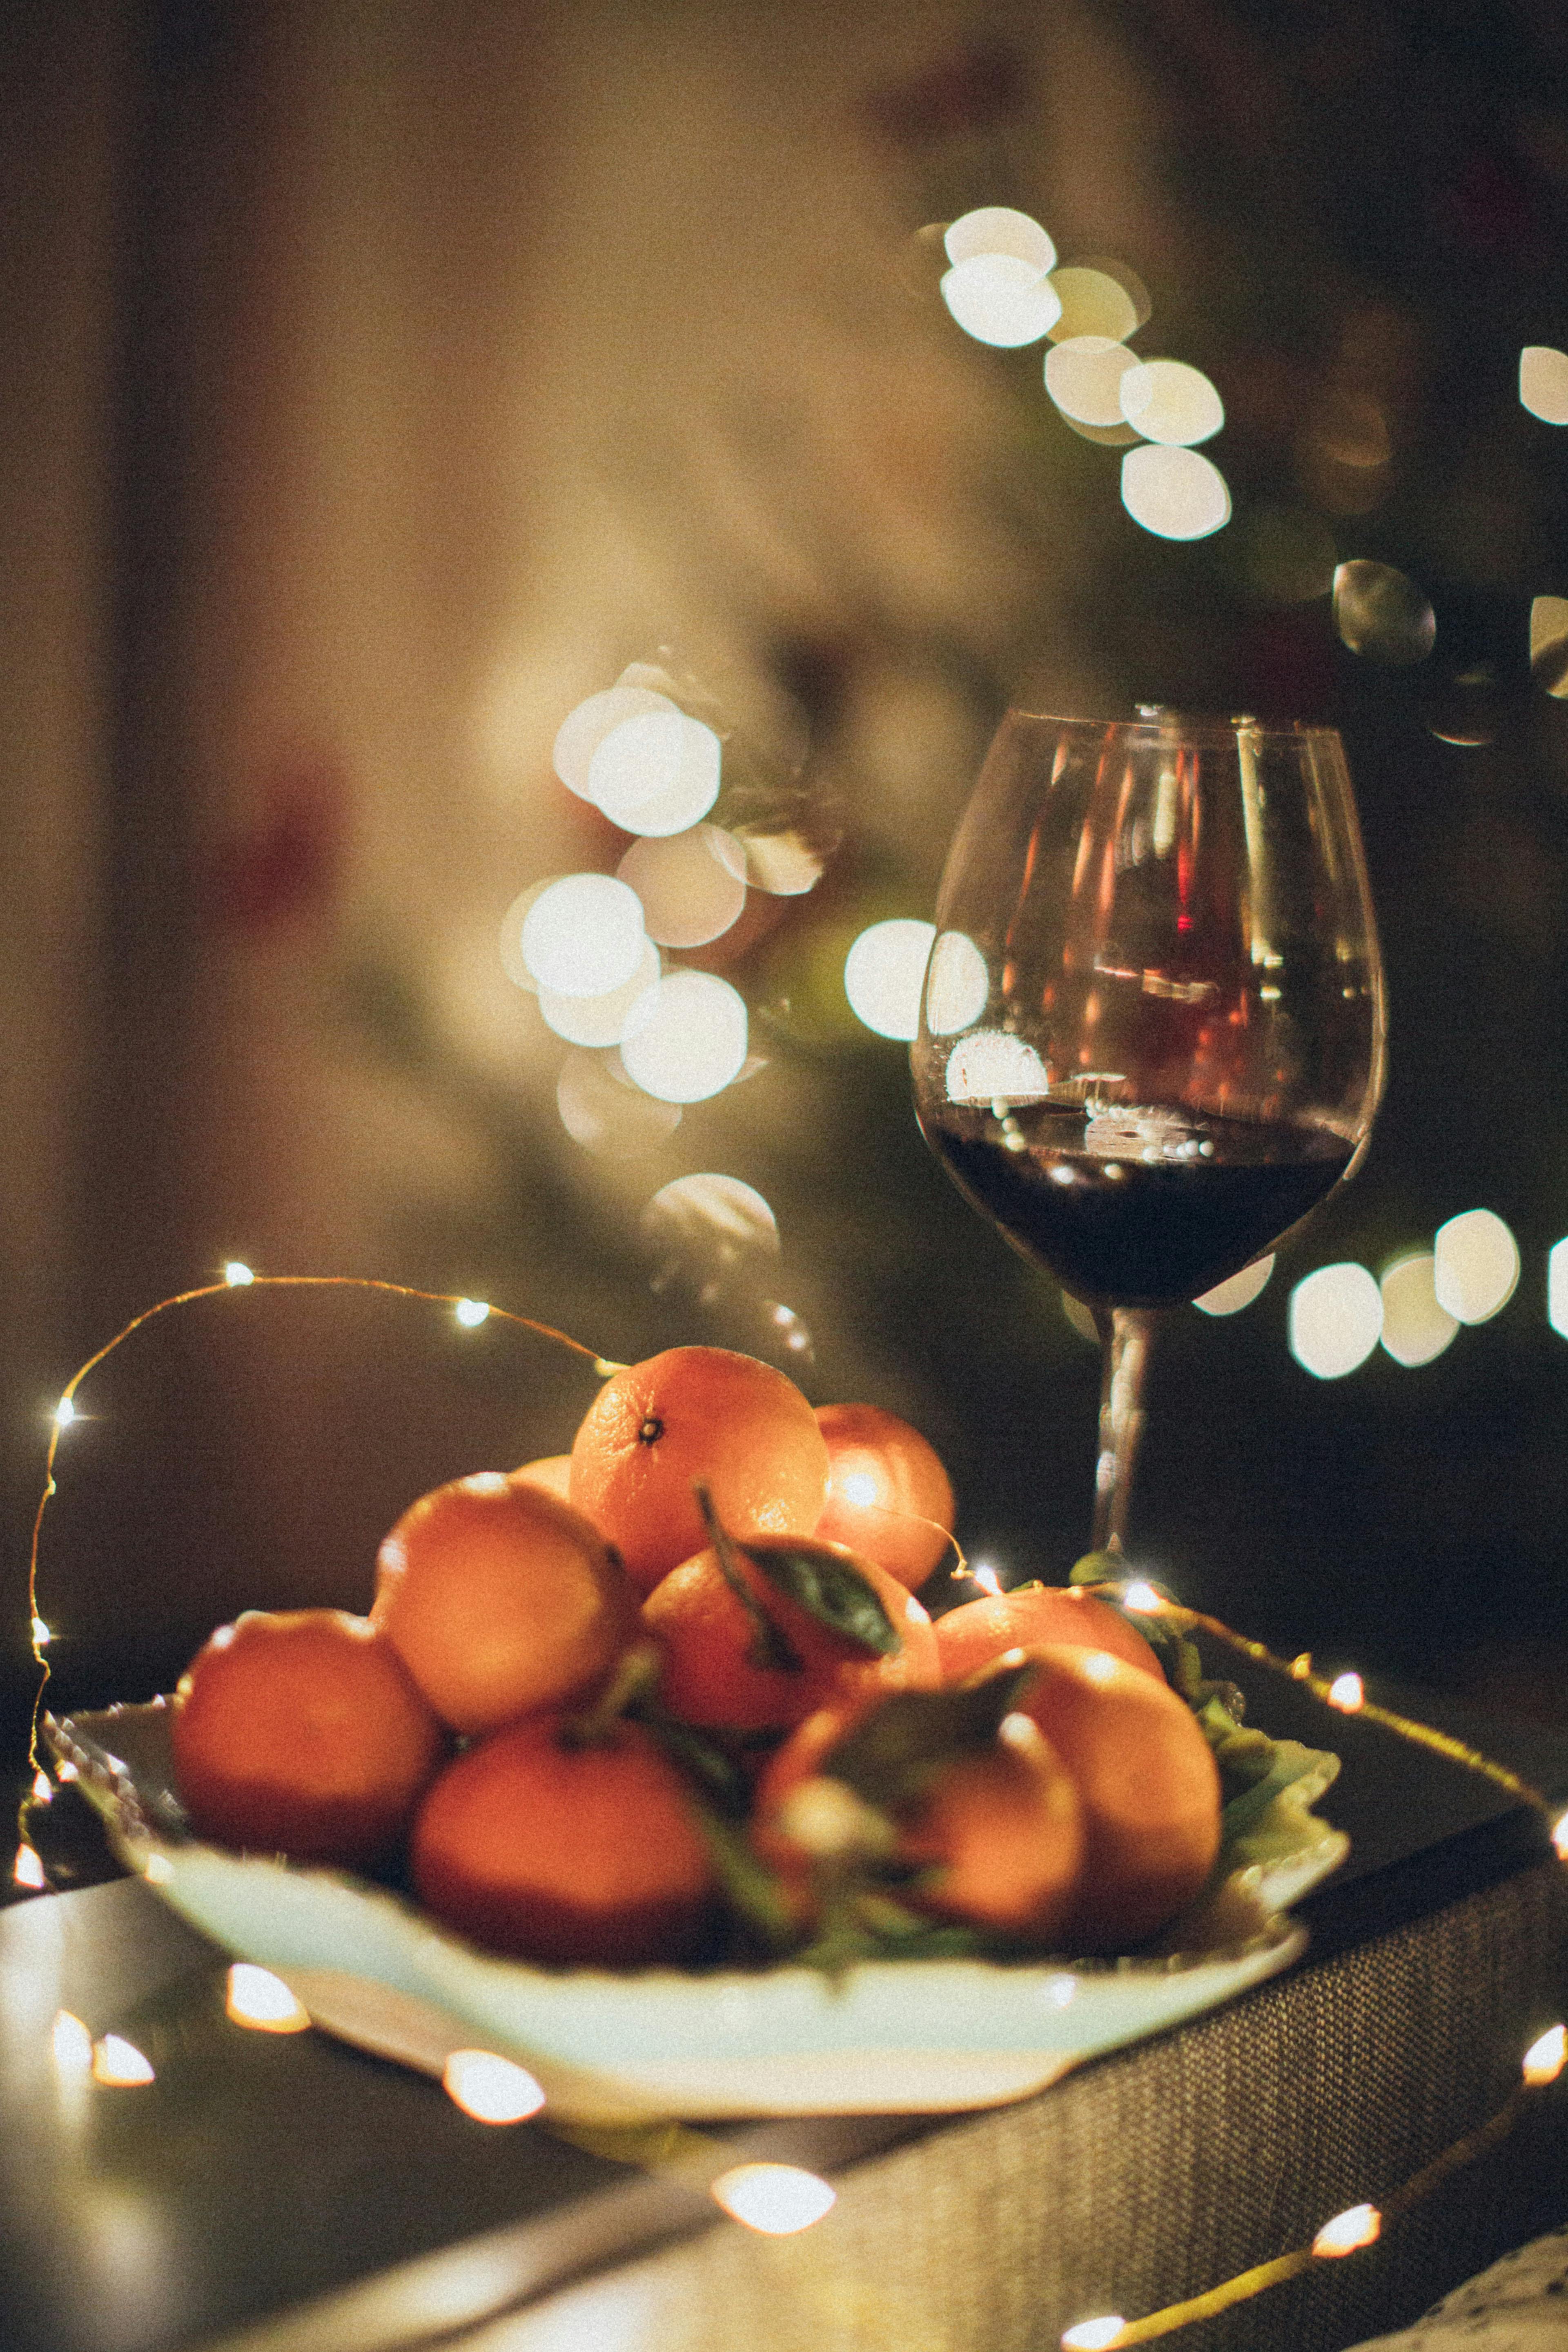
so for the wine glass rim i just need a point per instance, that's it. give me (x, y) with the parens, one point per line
(1158, 723)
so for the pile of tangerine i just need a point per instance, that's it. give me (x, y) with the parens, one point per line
(556, 1655)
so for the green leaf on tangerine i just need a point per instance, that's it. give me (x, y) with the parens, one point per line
(831, 1590)
(888, 1758)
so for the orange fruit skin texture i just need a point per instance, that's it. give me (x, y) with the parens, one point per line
(909, 1488)
(302, 1732)
(705, 1633)
(1148, 1786)
(567, 1855)
(971, 1635)
(498, 1598)
(551, 1470)
(1000, 1833)
(697, 1413)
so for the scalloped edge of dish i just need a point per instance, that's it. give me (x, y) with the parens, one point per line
(886, 2036)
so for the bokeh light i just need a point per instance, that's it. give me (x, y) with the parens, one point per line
(1546, 2057)
(1097, 300)
(255, 1997)
(1170, 403)
(470, 1313)
(604, 1020)
(1543, 383)
(1230, 1298)
(28, 1869)
(71, 2044)
(1475, 1265)
(1084, 375)
(657, 774)
(604, 1112)
(883, 972)
(584, 729)
(958, 984)
(1557, 1287)
(1417, 1327)
(120, 2066)
(510, 937)
(1382, 614)
(1174, 493)
(997, 228)
(583, 935)
(238, 1274)
(1335, 1320)
(1000, 299)
(992, 1066)
(1549, 643)
(778, 2199)
(692, 885)
(490, 2089)
(693, 1042)
(712, 1216)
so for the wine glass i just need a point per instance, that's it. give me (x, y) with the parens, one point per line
(1151, 1034)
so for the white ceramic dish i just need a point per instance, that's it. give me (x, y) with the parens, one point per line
(885, 2037)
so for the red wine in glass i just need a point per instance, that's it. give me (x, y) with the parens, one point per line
(1154, 1028)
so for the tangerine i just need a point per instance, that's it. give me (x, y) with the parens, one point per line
(301, 1732)
(499, 1597)
(1148, 1781)
(888, 1496)
(690, 1416)
(718, 1670)
(996, 1832)
(563, 1851)
(971, 1635)
(551, 1470)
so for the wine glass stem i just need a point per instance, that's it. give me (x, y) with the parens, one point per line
(1125, 1333)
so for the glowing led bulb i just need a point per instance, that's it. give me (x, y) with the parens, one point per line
(471, 1312)
(1142, 1598)
(778, 2199)
(986, 1577)
(1335, 1320)
(43, 1794)
(490, 2089)
(1347, 2232)
(1560, 1835)
(1176, 493)
(255, 1997)
(883, 972)
(27, 1870)
(71, 2043)
(1094, 2335)
(238, 1274)
(1346, 1693)
(119, 2064)
(65, 1413)
(1475, 1268)
(41, 1634)
(1545, 2059)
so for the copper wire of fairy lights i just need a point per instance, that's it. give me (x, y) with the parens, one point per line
(654, 2145)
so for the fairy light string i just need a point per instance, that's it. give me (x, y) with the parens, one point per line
(239, 1277)
(657, 2144)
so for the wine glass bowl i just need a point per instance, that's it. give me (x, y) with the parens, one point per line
(1152, 1031)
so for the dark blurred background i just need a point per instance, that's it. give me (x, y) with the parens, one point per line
(378, 382)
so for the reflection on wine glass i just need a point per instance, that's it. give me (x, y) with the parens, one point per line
(1152, 1028)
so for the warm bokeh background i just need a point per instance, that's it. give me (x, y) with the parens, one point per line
(377, 384)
